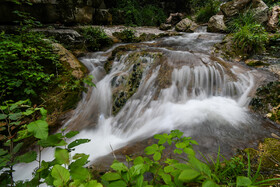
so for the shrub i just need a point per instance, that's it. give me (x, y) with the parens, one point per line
(126, 35)
(134, 13)
(96, 38)
(250, 39)
(27, 65)
(237, 22)
(210, 9)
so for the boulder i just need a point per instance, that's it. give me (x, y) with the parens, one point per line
(174, 18)
(186, 25)
(68, 58)
(84, 15)
(274, 18)
(233, 8)
(216, 24)
(68, 37)
(102, 17)
(260, 10)
(165, 26)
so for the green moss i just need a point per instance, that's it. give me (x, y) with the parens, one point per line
(267, 100)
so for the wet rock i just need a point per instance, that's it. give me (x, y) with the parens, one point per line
(84, 15)
(216, 24)
(68, 37)
(174, 18)
(274, 18)
(275, 69)
(102, 17)
(233, 8)
(186, 25)
(165, 26)
(260, 10)
(68, 58)
(255, 63)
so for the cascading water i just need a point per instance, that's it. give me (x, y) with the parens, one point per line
(176, 84)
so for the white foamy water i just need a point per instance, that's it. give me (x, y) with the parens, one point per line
(203, 98)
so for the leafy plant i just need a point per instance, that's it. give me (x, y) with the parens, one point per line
(126, 35)
(234, 24)
(205, 13)
(15, 128)
(96, 38)
(250, 39)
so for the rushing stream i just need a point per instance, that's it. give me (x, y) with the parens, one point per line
(180, 86)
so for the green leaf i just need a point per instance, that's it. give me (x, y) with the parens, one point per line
(3, 152)
(138, 160)
(209, 183)
(15, 116)
(157, 156)
(71, 134)
(151, 149)
(43, 113)
(188, 175)
(80, 162)
(62, 156)
(79, 173)
(119, 183)
(168, 169)
(17, 147)
(3, 116)
(93, 183)
(111, 176)
(139, 181)
(60, 174)
(118, 166)
(39, 129)
(52, 141)
(78, 142)
(166, 178)
(189, 151)
(243, 181)
(27, 157)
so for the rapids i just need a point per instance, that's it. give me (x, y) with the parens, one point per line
(203, 96)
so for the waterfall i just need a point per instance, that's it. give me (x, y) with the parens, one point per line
(181, 86)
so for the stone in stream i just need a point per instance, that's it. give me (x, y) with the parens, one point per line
(274, 18)
(216, 24)
(186, 25)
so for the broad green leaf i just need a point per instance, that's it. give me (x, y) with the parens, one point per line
(168, 169)
(28, 112)
(209, 183)
(119, 183)
(39, 129)
(15, 116)
(78, 155)
(200, 166)
(139, 181)
(166, 178)
(151, 149)
(189, 151)
(138, 160)
(188, 175)
(27, 157)
(181, 166)
(71, 134)
(118, 166)
(80, 162)
(111, 176)
(93, 183)
(53, 141)
(79, 173)
(60, 174)
(3, 116)
(243, 181)
(43, 113)
(157, 156)
(44, 165)
(78, 142)
(62, 156)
